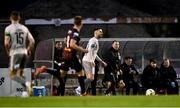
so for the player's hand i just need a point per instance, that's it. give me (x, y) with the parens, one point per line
(104, 64)
(93, 64)
(85, 51)
(29, 51)
(121, 84)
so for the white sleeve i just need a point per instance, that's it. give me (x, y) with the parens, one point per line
(7, 32)
(30, 37)
(91, 51)
(98, 59)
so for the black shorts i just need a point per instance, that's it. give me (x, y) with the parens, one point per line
(18, 61)
(74, 63)
(109, 77)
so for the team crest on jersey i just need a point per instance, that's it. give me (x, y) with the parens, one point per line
(75, 34)
(94, 46)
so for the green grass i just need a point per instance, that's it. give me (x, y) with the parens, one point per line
(92, 101)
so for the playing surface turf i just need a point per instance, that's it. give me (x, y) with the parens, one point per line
(92, 101)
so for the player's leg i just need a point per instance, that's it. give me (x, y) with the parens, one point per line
(60, 74)
(21, 74)
(63, 76)
(121, 86)
(93, 85)
(61, 87)
(26, 84)
(43, 69)
(94, 82)
(80, 74)
(89, 70)
(128, 87)
(113, 85)
(109, 84)
(17, 63)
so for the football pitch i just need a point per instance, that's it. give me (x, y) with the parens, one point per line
(92, 102)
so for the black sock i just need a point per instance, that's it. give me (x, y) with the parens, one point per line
(113, 90)
(81, 83)
(62, 88)
(54, 72)
(93, 87)
(62, 85)
(59, 90)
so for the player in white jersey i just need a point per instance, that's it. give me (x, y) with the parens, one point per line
(19, 43)
(89, 58)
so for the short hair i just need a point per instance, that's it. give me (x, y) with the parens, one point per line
(114, 41)
(152, 60)
(15, 15)
(127, 57)
(166, 59)
(97, 28)
(78, 20)
(57, 42)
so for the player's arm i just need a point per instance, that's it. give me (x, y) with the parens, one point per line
(31, 43)
(100, 60)
(75, 46)
(91, 49)
(7, 41)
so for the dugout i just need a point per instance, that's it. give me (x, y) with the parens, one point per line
(141, 49)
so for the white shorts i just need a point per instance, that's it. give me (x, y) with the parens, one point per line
(18, 61)
(88, 67)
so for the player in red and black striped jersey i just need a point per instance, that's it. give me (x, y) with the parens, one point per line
(70, 58)
(70, 53)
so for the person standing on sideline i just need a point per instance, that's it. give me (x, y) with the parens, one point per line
(113, 73)
(89, 58)
(58, 52)
(18, 43)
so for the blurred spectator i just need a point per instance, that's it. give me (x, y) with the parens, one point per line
(58, 50)
(168, 78)
(150, 76)
(112, 71)
(130, 76)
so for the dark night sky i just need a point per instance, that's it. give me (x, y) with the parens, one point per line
(9, 5)
(152, 7)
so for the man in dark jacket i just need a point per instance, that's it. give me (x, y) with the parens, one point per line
(113, 59)
(129, 76)
(150, 76)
